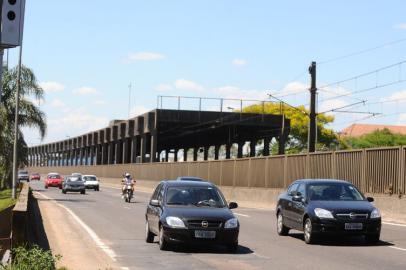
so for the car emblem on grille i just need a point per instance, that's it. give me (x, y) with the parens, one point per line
(353, 215)
(205, 224)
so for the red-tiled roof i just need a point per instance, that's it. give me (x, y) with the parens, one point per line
(356, 130)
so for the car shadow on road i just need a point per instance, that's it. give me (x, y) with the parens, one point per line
(65, 200)
(210, 249)
(343, 241)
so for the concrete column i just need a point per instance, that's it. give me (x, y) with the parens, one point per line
(216, 152)
(143, 149)
(154, 142)
(252, 148)
(134, 149)
(111, 152)
(126, 151)
(266, 146)
(175, 157)
(185, 154)
(105, 153)
(195, 151)
(206, 153)
(119, 152)
(240, 148)
(72, 157)
(228, 151)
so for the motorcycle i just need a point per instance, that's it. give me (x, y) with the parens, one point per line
(128, 193)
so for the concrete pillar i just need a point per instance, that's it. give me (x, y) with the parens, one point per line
(134, 148)
(206, 153)
(216, 152)
(154, 141)
(185, 154)
(105, 153)
(111, 152)
(195, 151)
(252, 148)
(72, 157)
(175, 155)
(228, 151)
(143, 149)
(266, 146)
(240, 148)
(126, 151)
(119, 152)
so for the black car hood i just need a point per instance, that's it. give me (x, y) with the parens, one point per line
(194, 212)
(343, 206)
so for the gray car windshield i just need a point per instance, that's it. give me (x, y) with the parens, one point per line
(74, 179)
(333, 192)
(197, 196)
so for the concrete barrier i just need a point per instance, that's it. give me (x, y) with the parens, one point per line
(20, 218)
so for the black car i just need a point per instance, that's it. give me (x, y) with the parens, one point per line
(73, 183)
(190, 212)
(335, 207)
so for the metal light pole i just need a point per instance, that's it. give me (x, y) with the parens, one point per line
(15, 162)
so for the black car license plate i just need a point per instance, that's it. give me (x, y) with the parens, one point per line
(353, 226)
(205, 234)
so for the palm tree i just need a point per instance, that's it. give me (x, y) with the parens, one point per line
(29, 116)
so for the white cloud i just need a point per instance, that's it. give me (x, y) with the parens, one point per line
(35, 101)
(138, 110)
(402, 119)
(332, 104)
(182, 84)
(85, 91)
(99, 102)
(52, 86)
(397, 96)
(239, 62)
(233, 92)
(400, 26)
(59, 104)
(144, 56)
(163, 87)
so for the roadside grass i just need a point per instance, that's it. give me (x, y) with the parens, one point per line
(5, 199)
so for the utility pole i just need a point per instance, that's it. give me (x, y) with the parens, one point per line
(312, 125)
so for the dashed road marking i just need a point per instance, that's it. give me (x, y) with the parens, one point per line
(394, 224)
(242, 215)
(99, 243)
(398, 248)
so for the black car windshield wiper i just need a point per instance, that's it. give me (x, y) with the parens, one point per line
(210, 203)
(177, 203)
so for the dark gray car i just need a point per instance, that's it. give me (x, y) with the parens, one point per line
(23, 176)
(74, 184)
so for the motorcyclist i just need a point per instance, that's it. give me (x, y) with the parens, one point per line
(127, 180)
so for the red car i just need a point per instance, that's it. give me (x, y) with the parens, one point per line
(53, 180)
(35, 176)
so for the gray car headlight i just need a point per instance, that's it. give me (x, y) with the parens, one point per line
(175, 222)
(375, 213)
(231, 223)
(323, 213)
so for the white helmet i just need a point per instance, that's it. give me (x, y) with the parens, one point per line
(127, 175)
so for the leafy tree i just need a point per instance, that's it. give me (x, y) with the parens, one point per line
(29, 116)
(378, 138)
(299, 122)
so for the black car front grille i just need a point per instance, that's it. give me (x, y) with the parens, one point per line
(352, 216)
(202, 224)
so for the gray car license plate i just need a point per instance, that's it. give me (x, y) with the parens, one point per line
(205, 234)
(353, 226)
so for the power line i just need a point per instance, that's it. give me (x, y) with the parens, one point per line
(361, 51)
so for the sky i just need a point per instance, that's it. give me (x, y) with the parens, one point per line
(85, 55)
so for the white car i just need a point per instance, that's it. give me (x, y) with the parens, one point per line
(91, 181)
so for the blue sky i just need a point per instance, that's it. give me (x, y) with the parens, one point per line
(86, 53)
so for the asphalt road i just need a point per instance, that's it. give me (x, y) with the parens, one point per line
(120, 227)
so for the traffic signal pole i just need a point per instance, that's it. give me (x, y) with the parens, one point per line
(312, 124)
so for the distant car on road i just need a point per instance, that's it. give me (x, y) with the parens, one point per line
(192, 212)
(91, 182)
(74, 184)
(53, 180)
(77, 174)
(23, 176)
(35, 176)
(189, 178)
(320, 207)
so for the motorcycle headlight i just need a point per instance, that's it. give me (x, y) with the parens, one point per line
(375, 213)
(323, 213)
(175, 222)
(231, 223)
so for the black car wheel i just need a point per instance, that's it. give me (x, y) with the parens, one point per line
(281, 229)
(163, 244)
(372, 238)
(149, 236)
(308, 232)
(83, 192)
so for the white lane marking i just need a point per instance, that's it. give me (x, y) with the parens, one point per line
(125, 268)
(402, 249)
(238, 214)
(394, 224)
(260, 256)
(91, 233)
(126, 207)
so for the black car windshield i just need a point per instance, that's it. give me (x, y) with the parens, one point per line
(333, 192)
(197, 196)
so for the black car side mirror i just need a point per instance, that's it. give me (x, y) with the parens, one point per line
(370, 199)
(233, 205)
(297, 198)
(154, 202)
